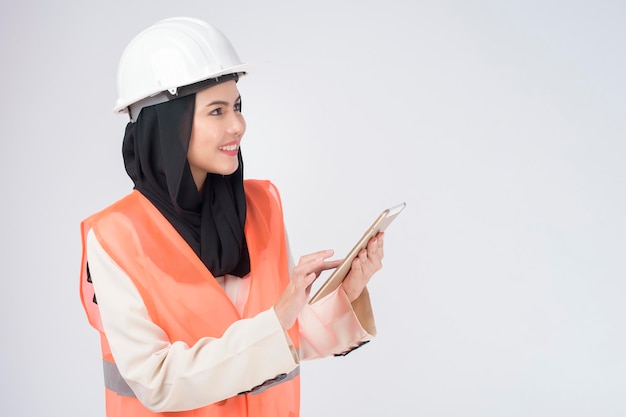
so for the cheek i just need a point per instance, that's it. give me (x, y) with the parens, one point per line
(202, 134)
(193, 143)
(197, 146)
(192, 152)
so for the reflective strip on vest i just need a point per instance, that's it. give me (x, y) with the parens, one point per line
(113, 380)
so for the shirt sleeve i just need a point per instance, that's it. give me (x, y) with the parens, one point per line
(169, 375)
(333, 326)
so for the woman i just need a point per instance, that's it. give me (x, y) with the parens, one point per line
(189, 278)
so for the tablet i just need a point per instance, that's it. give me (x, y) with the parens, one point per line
(337, 276)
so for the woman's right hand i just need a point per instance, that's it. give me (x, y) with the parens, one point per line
(296, 295)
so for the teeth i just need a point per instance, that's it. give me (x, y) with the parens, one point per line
(229, 147)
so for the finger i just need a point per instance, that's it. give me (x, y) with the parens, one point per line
(309, 279)
(303, 282)
(309, 263)
(375, 248)
(380, 241)
(317, 265)
(370, 260)
(312, 269)
(360, 261)
(330, 264)
(373, 245)
(312, 257)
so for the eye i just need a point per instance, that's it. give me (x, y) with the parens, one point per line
(216, 112)
(237, 106)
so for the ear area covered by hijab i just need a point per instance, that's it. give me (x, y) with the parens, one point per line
(155, 157)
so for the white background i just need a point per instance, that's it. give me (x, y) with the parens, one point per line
(500, 123)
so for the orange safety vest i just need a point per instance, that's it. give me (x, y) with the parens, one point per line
(160, 263)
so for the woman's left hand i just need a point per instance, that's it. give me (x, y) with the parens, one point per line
(368, 261)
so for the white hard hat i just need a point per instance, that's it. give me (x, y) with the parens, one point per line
(170, 54)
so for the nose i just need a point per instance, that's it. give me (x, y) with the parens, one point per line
(237, 124)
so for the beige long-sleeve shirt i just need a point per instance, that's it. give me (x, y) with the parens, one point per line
(169, 375)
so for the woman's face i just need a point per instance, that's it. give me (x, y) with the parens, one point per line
(216, 133)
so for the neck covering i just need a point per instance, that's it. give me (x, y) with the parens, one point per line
(212, 222)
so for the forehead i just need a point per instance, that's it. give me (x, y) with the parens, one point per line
(224, 92)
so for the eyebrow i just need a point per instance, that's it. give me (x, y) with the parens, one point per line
(222, 102)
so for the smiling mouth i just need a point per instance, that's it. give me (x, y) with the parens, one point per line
(232, 147)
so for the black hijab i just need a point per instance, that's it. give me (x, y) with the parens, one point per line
(155, 156)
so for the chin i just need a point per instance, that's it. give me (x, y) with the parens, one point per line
(230, 171)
